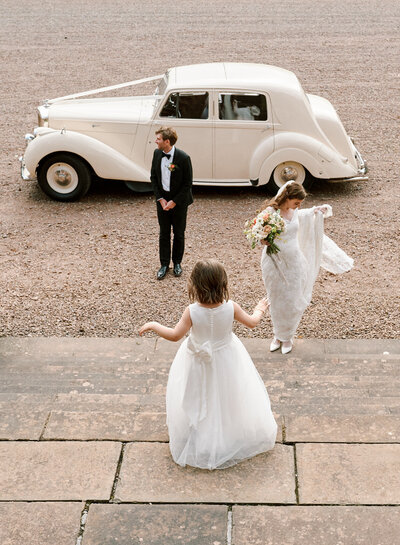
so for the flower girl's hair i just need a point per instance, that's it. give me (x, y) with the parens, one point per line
(293, 190)
(208, 283)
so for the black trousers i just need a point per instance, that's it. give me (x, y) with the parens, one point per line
(175, 218)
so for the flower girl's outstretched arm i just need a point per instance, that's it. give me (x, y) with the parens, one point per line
(169, 333)
(250, 320)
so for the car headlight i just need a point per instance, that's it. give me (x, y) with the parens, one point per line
(29, 137)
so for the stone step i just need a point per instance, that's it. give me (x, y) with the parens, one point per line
(315, 525)
(341, 429)
(90, 349)
(277, 371)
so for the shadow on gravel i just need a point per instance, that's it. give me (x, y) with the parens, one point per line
(321, 189)
(103, 190)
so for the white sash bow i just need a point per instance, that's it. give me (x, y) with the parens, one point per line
(194, 401)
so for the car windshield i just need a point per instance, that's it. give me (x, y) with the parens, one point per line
(162, 85)
(160, 90)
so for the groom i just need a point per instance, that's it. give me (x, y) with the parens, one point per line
(171, 180)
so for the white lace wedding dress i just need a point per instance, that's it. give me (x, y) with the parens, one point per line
(289, 275)
(218, 409)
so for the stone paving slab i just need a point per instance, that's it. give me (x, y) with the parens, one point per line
(109, 402)
(305, 350)
(50, 470)
(156, 525)
(348, 474)
(315, 525)
(39, 523)
(114, 425)
(356, 347)
(48, 350)
(148, 474)
(23, 416)
(258, 348)
(343, 429)
(383, 404)
(324, 407)
(330, 367)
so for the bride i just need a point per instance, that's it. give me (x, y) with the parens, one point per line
(289, 275)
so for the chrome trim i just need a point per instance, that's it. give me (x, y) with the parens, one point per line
(25, 174)
(29, 137)
(351, 179)
(362, 165)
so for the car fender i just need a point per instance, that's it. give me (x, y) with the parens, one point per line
(318, 158)
(264, 150)
(105, 161)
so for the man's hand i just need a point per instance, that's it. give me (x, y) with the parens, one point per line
(163, 203)
(170, 205)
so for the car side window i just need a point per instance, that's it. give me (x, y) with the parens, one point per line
(186, 106)
(247, 106)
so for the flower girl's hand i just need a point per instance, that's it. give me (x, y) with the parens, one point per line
(148, 326)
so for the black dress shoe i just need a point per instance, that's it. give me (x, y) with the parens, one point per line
(162, 272)
(177, 269)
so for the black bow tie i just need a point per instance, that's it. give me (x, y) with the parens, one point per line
(167, 155)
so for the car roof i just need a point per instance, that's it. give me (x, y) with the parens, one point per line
(232, 74)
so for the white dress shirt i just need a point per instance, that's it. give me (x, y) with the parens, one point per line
(165, 172)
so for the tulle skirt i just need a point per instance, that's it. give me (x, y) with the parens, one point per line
(218, 411)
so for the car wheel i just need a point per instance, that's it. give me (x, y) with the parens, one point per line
(285, 172)
(139, 187)
(64, 177)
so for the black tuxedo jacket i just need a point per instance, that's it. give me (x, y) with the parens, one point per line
(181, 178)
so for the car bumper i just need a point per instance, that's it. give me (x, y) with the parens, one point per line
(25, 174)
(362, 170)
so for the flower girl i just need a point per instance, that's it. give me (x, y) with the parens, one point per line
(218, 410)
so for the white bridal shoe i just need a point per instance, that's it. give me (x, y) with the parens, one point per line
(287, 347)
(275, 344)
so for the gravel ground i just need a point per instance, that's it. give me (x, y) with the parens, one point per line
(88, 268)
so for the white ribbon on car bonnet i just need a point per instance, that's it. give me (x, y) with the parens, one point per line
(104, 89)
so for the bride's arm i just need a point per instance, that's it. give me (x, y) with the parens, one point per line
(169, 333)
(250, 320)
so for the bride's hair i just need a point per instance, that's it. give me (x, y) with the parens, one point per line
(291, 191)
(208, 283)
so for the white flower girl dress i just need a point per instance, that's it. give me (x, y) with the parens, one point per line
(218, 410)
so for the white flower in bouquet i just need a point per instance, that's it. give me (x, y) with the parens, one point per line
(265, 227)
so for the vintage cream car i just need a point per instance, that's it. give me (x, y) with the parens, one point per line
(242, 124)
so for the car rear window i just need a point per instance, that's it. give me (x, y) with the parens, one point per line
(245, 106)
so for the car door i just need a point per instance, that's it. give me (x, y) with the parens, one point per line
(188, 112)
(242, 123)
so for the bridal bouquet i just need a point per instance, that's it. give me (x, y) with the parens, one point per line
(266, 226)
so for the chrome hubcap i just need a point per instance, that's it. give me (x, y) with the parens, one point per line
(62, 178)
(289, 173)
